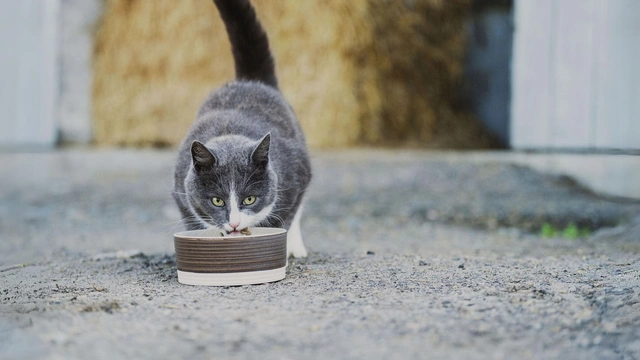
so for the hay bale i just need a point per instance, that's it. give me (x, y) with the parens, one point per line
(153, 65)
(356, 72)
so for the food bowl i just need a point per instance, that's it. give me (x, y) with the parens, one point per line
(206, 257)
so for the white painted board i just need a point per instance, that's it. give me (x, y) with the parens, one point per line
(531, 107)
(617, 107)
(571, 73)
(28, 73)
(78, 19)
(576, 75)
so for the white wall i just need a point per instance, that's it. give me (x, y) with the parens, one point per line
(28, 73)
(576, 75)
(78, 23)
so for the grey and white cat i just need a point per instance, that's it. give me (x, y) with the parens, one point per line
(244, 162)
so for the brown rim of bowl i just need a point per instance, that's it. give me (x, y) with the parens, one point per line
(204, 234)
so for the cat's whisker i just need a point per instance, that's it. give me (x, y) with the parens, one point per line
(244, 185)
(189, 220)
(286, 208)
(275, 217)
(284, 189)
(218, 181)
(253, 183)
(180, 193)
(173, 224)
(184, 218)
(183, 194)
(186, 221)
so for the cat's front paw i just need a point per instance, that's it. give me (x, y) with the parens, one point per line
(297, 252)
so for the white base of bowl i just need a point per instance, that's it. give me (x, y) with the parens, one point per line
(231, 279)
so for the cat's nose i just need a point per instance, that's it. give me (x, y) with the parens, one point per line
(234, 225)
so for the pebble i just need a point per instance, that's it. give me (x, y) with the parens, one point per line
(120, 254)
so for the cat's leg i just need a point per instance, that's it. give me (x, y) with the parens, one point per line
(295, 246)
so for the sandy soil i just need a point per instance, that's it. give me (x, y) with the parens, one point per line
(413, 255)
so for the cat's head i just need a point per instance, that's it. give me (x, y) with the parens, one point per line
(231, 184)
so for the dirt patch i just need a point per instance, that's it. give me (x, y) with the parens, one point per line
(109, 307)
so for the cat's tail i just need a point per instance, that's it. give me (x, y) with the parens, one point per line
(249, 42)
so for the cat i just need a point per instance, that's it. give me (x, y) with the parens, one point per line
(244, 161)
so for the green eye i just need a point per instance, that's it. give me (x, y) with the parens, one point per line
(249, 200)
(217, 201)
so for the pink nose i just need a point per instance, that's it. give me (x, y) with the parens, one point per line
(234, 225)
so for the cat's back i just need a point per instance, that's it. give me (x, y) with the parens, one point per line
(249, 95)
(242, 106)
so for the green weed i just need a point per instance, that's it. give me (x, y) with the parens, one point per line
(571, 231)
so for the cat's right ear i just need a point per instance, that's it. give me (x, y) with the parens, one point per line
(260, 155)
(202, 157)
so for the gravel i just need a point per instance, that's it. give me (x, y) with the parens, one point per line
(411, 256)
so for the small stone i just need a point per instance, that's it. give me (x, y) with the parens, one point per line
(461, 266)
(609, 326)
(59, 339)
(597, 340)
(412, 326)
(121, 254)
(423, 263)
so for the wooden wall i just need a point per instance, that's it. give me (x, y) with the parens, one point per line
(576, 74)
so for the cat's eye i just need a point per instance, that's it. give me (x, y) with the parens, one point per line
(249, 200)
(217, 201)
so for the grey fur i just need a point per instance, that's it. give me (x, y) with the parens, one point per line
(245, 137)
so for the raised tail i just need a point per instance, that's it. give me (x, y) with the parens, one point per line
(249, 42)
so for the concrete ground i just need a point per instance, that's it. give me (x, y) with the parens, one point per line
(412, 255)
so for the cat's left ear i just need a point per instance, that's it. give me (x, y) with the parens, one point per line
(260, 155)
(202, 157)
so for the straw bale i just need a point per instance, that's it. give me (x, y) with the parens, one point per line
(357, 72)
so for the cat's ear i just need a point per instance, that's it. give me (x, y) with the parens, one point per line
(260, 155)
(202, 157)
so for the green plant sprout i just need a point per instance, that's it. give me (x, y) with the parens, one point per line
(571, 231)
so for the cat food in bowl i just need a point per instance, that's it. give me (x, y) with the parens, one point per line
(208, 257)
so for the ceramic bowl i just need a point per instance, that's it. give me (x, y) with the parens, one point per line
(205, 257)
